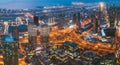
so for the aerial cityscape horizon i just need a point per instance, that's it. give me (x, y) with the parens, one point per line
(60, 32)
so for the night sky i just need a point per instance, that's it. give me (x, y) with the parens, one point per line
(34, 3)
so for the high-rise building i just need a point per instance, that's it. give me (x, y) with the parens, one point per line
(102, 14)
(79, 20)
(44, 34)
(95, 21)
(102, 7)
(32, 34)
(36, 20)
(74, 18)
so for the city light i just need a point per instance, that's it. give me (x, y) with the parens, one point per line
(71, 26)
(76, 33)
(102, 5)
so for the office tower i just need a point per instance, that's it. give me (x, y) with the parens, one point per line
(36, 20)
(44, 34)
(10, 50)
(102, 9)
(79, 20)
(32, 34)
(102, 14)
(74, 18)
(95, 21)
(79, 16)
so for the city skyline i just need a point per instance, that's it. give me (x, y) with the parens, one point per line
(19, 4)
(60, 32)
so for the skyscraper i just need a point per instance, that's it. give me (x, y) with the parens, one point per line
(79, 20)
(32, 34)
(44, 34)
(36, 20)
(74, 18)
(95, 21)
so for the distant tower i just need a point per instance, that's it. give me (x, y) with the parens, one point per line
(79, 20)
(74, 18)
(44, 34)
(95, 21)
(102, 7)
(102, 10)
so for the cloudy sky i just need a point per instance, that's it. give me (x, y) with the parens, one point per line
(33, 3)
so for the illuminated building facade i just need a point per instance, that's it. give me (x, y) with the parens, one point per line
(102, 9)
(95, 21)
(44, 34)
(32, 34)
